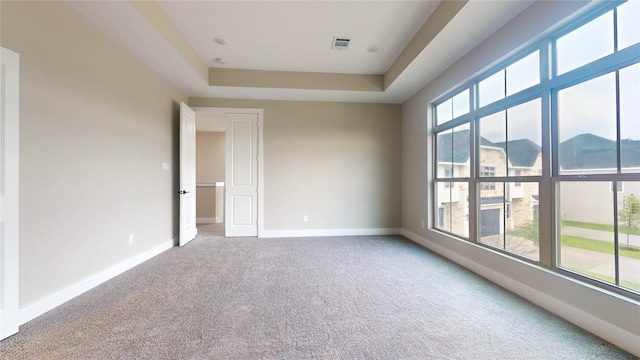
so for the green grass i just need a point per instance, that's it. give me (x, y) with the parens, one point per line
(583, 243)
(600, 246)
(601, 227)
(609, 279)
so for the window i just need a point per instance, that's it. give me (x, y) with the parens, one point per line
(516, 77)
(618, 185)
(488, 171)
(453, 107)
(585, 44)
(589, 103)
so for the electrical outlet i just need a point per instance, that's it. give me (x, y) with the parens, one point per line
(130, 239)
(423, 224)
(305, 218)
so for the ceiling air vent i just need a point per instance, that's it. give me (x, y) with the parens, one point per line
(340, 43)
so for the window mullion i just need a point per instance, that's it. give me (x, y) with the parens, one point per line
(616, 249)
(547, 241)
(473, 184)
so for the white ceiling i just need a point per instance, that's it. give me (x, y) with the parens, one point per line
(296, 36)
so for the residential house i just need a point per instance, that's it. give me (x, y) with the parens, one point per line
(504, 207)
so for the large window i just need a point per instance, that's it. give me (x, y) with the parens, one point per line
(578, 89)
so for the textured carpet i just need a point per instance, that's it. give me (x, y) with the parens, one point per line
(378, 297)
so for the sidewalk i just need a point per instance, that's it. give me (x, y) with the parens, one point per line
(600, 263)
(589, 261)
(600, 235)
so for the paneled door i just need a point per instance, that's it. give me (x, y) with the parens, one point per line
(187, 189)
(241, 197)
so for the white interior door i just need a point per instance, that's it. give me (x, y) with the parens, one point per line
(187, 190)
(241, 198)
(9, 136)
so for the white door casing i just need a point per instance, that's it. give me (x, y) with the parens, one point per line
(241, 175)
(9, 202)
(187, 189)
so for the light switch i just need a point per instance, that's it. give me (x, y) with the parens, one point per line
(165, 166)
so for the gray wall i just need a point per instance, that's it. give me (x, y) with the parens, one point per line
(95, 127)
(337, 163)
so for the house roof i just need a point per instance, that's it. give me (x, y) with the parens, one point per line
(457, 140)
(588, 151)
(492, 200)
(522, 152)
(585, 151)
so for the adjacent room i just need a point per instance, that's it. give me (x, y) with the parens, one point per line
(320, 179)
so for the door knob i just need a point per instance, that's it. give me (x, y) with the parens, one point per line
(182, 192)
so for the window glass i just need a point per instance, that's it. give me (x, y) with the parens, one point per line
(452, 202)
(461, 104)
(630, 118)
(444, 112)
(523, 74)
(509, 218)
(492, 213)
(492, 88)
(586, 243)
(629, 234)
(524, 137)
(493, 139)
(522, 227)
(453, 148)
(587, 127)
(585, 44)
(628, 24)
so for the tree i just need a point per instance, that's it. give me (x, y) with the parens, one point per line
(629, 214)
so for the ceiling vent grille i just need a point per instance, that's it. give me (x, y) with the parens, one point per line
(340, 43)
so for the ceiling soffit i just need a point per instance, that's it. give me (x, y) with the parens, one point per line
(231, 77)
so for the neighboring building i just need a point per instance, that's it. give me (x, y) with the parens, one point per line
(592, 202)
(501, 207)
(515, 205)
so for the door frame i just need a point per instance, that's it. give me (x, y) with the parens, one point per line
(260, 114)
(9, 273)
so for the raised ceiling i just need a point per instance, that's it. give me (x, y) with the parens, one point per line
(281, 50)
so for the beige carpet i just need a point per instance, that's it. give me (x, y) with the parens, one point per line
(377, 297)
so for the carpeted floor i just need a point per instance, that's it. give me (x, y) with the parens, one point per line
(376, 297)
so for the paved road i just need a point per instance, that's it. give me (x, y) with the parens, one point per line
(600, 235)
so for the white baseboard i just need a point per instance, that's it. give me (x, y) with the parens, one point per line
(218, 220)
(329, 232)
(58, 298)
(595, 325)
(206, 220)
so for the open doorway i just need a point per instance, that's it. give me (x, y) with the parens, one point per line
(229, 177)
(210, 171)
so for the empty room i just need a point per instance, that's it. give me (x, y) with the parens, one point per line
(446, 179)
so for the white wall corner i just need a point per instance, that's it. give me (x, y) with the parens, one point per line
(58, 298)
(618, 336)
